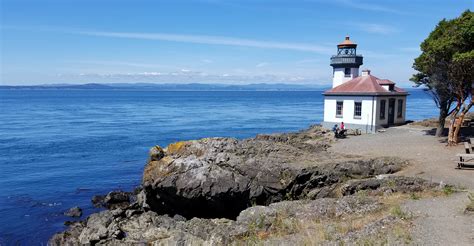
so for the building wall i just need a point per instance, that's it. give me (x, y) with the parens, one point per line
(339, 76)
(367, 122)
(364, 122)
(384, 122)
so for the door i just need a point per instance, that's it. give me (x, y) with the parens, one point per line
(391, 111)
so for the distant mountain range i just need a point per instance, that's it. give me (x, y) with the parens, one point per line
(169, 87)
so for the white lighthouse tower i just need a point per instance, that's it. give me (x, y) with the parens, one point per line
(346, 63)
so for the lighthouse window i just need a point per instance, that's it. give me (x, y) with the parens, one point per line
(347, 72)
(339, 106)
(382, 109)
(357, 109)
(400, 107)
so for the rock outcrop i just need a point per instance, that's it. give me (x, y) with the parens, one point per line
(74, 212)
(219, 177)
(113, 200)
(215, 190)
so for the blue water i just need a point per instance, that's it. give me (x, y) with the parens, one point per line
(58, 148)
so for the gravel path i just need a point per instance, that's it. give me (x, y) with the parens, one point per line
(430, 158)
(439, 220)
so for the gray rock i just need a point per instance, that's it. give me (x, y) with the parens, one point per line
(98, 201)
(387, 185)
(219, 177)
(216, 191)
(113, 200)
(74, 212)
(117, 199)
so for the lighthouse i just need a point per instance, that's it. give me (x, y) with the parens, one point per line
(364, 101)
(346, 63)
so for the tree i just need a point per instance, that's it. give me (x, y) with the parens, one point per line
(462, 74)
(445, 68)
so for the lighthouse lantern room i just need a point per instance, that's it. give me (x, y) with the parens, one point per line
(346, 63)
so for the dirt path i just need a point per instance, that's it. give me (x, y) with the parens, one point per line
(430, 159)
(440, 220)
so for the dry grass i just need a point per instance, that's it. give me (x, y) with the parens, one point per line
(339, 230)
(175, 148)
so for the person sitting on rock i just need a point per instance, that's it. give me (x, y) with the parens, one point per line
(335, 129)
(343, 130)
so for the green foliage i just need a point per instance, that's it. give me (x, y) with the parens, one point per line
(399, 213)
(415, 196)
(362, 194)
(448, 190)
(446, 62)
(391, 183)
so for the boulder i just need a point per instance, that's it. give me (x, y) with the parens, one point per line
(98, 201)
(113, 200)
(117, 199)
(74, 212)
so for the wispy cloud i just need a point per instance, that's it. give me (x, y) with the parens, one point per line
(207, 61)
(378, 29)
(306, 61)
(188, 76)
(374, 28)
(210, 40)
(262, 64)
(186, 38)
(120, 63)
(374, 7)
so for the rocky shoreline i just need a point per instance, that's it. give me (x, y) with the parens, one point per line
(271, 189)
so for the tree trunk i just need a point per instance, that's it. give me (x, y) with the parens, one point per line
(455, 137)
(455, 128)
(443, 113)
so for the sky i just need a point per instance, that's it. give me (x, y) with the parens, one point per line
(210, 41)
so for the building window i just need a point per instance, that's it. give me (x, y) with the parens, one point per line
(357, 109)
(400, 108)
(339, 106)
(382, 109)
(347, 72)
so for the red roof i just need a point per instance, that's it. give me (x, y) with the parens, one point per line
(366, 85)
(347, 42)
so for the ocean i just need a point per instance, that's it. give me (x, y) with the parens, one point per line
(58, 148)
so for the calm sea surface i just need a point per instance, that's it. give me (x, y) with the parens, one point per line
(58, 148)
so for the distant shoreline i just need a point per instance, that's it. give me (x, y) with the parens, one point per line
(172, 87)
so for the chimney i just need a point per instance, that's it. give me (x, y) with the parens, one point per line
(365, 72)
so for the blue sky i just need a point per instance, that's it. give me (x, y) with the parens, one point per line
(210, 41)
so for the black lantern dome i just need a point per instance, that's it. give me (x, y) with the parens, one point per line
(346, 55)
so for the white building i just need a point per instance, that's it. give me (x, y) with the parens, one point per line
(362, 102)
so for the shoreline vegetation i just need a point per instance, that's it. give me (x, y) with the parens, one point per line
(288, 187)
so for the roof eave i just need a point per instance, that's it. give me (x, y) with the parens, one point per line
(366, 93)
